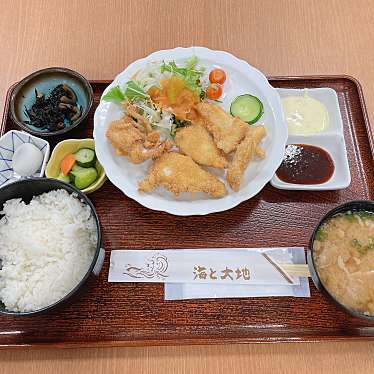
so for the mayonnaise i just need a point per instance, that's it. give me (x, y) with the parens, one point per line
(305, 115)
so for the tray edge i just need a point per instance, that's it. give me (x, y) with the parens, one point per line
(184, 342)
(200, 341)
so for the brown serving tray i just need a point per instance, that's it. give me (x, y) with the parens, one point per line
(114, 314)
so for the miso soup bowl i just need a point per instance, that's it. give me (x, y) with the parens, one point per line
(352, 206)
(26, 189)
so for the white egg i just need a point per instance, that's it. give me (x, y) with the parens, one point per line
(27, 159)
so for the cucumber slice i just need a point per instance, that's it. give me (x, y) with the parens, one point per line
(83, 177)
(85, 157)
(64, 178)
(75, 170)
(248, 108)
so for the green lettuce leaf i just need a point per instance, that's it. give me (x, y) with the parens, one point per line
(190, 74)
(134, 91)
(114, 94)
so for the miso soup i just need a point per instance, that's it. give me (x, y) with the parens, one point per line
(344, 258)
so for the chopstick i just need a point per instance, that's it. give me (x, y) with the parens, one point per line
(280, 269)
(288, 270)
(297, 270)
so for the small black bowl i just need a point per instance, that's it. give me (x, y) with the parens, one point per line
(45, 81)
(27, 189)
(352, 206)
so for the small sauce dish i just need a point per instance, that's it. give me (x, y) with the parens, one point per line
(315, 156)
(334, 146)
(9, 144)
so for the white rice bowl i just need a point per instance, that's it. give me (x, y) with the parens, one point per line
(46, 248)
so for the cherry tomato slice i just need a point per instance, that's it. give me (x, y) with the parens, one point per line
(217, 76)
(214, 91)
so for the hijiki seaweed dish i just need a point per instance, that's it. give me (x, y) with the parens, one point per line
(56, 111)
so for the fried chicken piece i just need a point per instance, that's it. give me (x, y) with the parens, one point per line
(141, 123)
(227, 130)
(178, 173)
(196, 142)
(123, 135)
(137, 146)
(244, 154)
(260, 153)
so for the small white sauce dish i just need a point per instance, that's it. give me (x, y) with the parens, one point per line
(334, 145)
(9, 143)
(328, 97)
(331, 139)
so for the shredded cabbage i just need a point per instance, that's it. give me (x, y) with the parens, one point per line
(151, 76)
(160, 119)
(153, 73)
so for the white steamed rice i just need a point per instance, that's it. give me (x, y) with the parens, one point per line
(46, 248)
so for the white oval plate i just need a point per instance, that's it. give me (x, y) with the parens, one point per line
(241, 78)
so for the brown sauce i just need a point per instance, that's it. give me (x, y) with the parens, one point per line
(305, 164)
